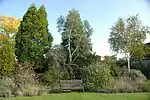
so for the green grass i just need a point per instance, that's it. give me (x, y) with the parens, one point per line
(88, 96)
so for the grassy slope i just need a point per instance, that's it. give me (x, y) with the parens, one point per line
(88, 96)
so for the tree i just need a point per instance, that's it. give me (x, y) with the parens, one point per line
(33, 38)
(75, 39)
(24, 38)
(8, 29)
(128, 36)
(9, 26)
(43, 37)
(7, 57)
(55, 60)
(46, 37)
(55, 57)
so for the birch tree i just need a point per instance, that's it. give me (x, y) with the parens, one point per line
(75, 38)
(127, 36)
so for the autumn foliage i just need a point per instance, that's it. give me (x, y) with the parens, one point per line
(3, 37)
(8, 28)
(9, 24)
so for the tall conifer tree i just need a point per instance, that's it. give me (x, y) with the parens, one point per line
(33, 37)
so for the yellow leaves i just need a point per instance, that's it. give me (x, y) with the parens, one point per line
(9, 24)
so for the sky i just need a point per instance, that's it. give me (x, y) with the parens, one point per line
(101, 14)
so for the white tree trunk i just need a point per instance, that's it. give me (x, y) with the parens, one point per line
(128, 57)
(69, 48)
(71, 60)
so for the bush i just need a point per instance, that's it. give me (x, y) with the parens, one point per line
(134, 75)
(137, 75)
(145, 87)
(97, 76)
(23, 83)
(26, 81)
(7, 58)
(7, 87)
(122, 62)
(122, 85)
(111, 61)
(52, 77)
(129, 82)
(143, 66)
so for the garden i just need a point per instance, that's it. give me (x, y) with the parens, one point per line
(32, 67)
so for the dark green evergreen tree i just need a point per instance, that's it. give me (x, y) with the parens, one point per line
(25, 36)
(44, 36)
(33, 38)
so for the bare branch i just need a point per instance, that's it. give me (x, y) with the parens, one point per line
(77, 46)
(66, 45)
(75, 50)
(75, 58)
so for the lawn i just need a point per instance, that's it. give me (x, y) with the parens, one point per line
(87, 96)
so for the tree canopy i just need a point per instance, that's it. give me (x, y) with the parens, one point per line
(75, 38)
(33, 38)
(127, 36)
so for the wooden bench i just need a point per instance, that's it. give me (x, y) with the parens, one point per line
(71, 85)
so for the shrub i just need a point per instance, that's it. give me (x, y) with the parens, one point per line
(26, 81)
(122, 85)
(145, 87)
(97, 76)
(134, 75)
(30, 90)
(129, 81)
(23, 83)
(52, 77)
(122, 62)
(111, 61)
(7, 58)
(143, 66)
(7, 87)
